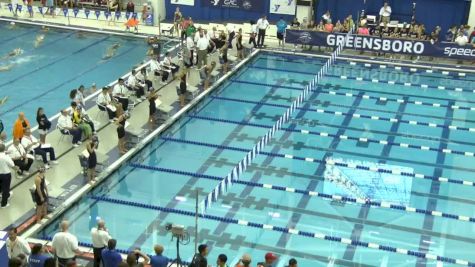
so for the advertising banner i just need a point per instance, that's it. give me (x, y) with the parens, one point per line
(183, 2)
(384, 45)
(254, 5)
(284, 7)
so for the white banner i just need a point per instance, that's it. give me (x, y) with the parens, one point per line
(183, 2)
(285, 7)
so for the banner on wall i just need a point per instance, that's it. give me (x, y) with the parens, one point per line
(254, 5)
(384, 45)
(284, 7)
(183, 2)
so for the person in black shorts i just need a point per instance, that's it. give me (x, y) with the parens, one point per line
(92, 160)
(223, 58)
(152, 107)
(239, 46)
(41, 194)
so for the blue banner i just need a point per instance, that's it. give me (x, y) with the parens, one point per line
(87, 12)
(40, 9)
(65, 11)
(117, 15)
(127, 15)
(383, 45)
(19, 8)
(10, 7)
(98, 13)
(75, 11)
(107, 14)
(254, 5)
(30, 9)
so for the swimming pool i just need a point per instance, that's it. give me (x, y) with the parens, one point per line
(403, 148)
(43, 76)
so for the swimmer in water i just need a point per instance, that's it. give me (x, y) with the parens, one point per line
(15, 52)
(39, 39)
(6, 68)
(44, 29)
(12, 25)
(3, 100)
(111, 51)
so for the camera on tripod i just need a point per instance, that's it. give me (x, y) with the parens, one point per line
(176, 229)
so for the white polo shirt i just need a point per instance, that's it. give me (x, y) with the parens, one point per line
(132, 81)
(104, 98)
(65, 245)
(119, 89)
(65, 122)
(16, 151)
(19, 246)
(385, 11)
(28, 140)
(262, 24)
(5, 163)
(99, 238)
(202, 43)
(189, 43)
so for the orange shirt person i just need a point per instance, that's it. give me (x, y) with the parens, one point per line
(20, 124)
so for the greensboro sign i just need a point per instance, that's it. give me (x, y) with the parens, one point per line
(377, 44)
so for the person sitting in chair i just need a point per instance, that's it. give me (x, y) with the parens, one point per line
(105, 103)
(32, 145)
(20, 158)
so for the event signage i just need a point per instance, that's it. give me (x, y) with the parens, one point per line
(183, 2)
(285, 7)
(254, 5)
(385, 45)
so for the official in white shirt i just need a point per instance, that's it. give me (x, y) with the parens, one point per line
(19, 156)
(202, 46)
(141, 77)
(121, 94)
(100, 237)
(66, 126)
(5, 175)
(104, 102)
(190, 45)
(16, 245)
(385, 13)
(262, 25)
(32, 145)
(134, 85)
(65, 245)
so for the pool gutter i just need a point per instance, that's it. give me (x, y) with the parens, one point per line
(32, 231)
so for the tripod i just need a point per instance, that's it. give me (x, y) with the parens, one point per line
(177, 261)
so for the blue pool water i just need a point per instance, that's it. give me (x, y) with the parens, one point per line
(43, 76)
(351, 121)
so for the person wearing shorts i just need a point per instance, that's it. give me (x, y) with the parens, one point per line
(281, 26)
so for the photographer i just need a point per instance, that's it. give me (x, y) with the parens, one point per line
(133, 259)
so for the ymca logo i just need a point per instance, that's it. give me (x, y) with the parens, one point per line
(247, 5)
(305, 38)
(276, 8)
(215, 2)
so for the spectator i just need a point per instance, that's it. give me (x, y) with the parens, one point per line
(270, 259)
(31, 145)
(80, 116)
(43, 124)
(183, 87)
(293, 263)
(15, 262)
(41, 195)
(472, 36)
(21, 159)
(451, 34)
(221, 261)
(385, 13)
(77, 95)
(253, 35)
(132, 259)
(363, 30)
(348, 24)
(199, 260)
(133, 22)
(65, 245)
(16, 245)
(295, 25)
(202, 46)
(329, 27)
(434, 36)
(158, 260)
(110, 257)
(38, 257)
(262, 25)
(212, 35)
(104, 102)
(239, 46)
(5, 176)
(177, 18)
(65, 125)
(120, 93)
(338, 27)
(320, 27)
(191, 29)
(184, 26)
(327, 18)
(130, 7)
(134, 85)
(100, 238)
(461, 39)
(20, 124)
(281, 27)
(92, 159)
(245, 261)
